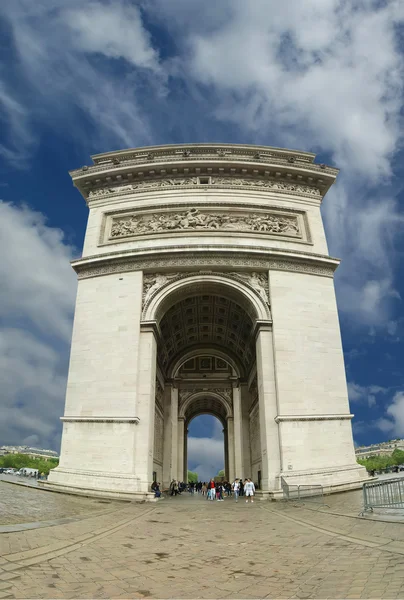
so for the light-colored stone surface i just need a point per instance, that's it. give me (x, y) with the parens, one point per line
(191, 548)
(205, 253)
(21, 505)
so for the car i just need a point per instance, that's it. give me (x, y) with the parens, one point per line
(10, 471)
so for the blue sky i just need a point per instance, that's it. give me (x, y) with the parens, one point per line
(89, 76)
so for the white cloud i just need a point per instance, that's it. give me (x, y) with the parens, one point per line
(207, 454)
(393, 422)
(336, 87)
(260, 68)
(14, 118)
(36, 303)
(38, 284)
(113, 30)
(365, 394)
(339, 81)
(59, 50)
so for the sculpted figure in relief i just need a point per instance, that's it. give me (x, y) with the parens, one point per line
(226, 181)
(258, 281)
(194, 219)
(153, 282)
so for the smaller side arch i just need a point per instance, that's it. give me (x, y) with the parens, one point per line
(208, 351)
(192, 406)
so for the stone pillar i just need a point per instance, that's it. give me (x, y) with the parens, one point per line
(170, 461)
(245, 404)
(181, 447)
(185, 472)
(226, 453)
(238, 432)
(268, 410)
(145, 407)
(230, 441)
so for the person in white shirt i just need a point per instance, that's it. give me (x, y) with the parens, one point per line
(235, 486)
(249, 490)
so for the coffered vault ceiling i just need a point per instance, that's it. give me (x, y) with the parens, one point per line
(206, 320)
(206, 405)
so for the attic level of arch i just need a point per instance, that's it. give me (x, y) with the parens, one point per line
(203, 152)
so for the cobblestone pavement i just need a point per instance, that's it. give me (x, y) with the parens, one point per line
(190, 548)
(20, 504)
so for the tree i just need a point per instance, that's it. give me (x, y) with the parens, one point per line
(19, 461)
(192, 477)
(398, 456)
(377, 463)
(220, 473)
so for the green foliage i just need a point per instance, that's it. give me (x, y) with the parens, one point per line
(398, 456)
(220, 473)
(377, 463)
(192, 477)
(20, 461)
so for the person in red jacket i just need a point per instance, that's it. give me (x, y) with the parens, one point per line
(211, 489)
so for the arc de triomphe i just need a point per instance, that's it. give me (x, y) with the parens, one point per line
(205, 286)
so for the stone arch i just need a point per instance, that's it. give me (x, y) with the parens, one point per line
(208, 351)
(204, 283)
(214, 403)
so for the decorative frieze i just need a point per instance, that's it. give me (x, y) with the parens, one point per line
(273, 185)
(312, 267)
(199, 220)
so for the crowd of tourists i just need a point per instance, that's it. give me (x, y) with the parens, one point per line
(213, 490)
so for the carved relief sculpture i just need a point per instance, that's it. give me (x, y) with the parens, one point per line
(194, 219)
(258, 281)
(153, 282)
(267, 184)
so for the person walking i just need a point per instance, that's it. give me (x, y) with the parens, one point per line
(211, 489)
(249, 490)
(236, 489)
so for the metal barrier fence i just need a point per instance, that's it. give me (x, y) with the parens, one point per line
(306, 493)
(383, 494)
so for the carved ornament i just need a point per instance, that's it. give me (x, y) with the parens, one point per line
(194, 219)
(193, 182)
(198, 262)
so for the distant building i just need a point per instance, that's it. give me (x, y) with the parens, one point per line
(382, 449)
(29, 451)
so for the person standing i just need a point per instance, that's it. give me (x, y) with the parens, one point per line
(249, 490)
(241, 492)
(236, 489)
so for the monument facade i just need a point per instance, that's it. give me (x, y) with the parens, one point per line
(205, 286)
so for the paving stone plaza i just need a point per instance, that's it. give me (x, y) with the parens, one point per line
(187, 547)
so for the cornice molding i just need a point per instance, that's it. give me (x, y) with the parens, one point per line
(266, 165)
(188, 258)
(100, 419)
(288, 418)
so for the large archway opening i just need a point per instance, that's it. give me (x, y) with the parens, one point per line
(205, 447)
(206, 365)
